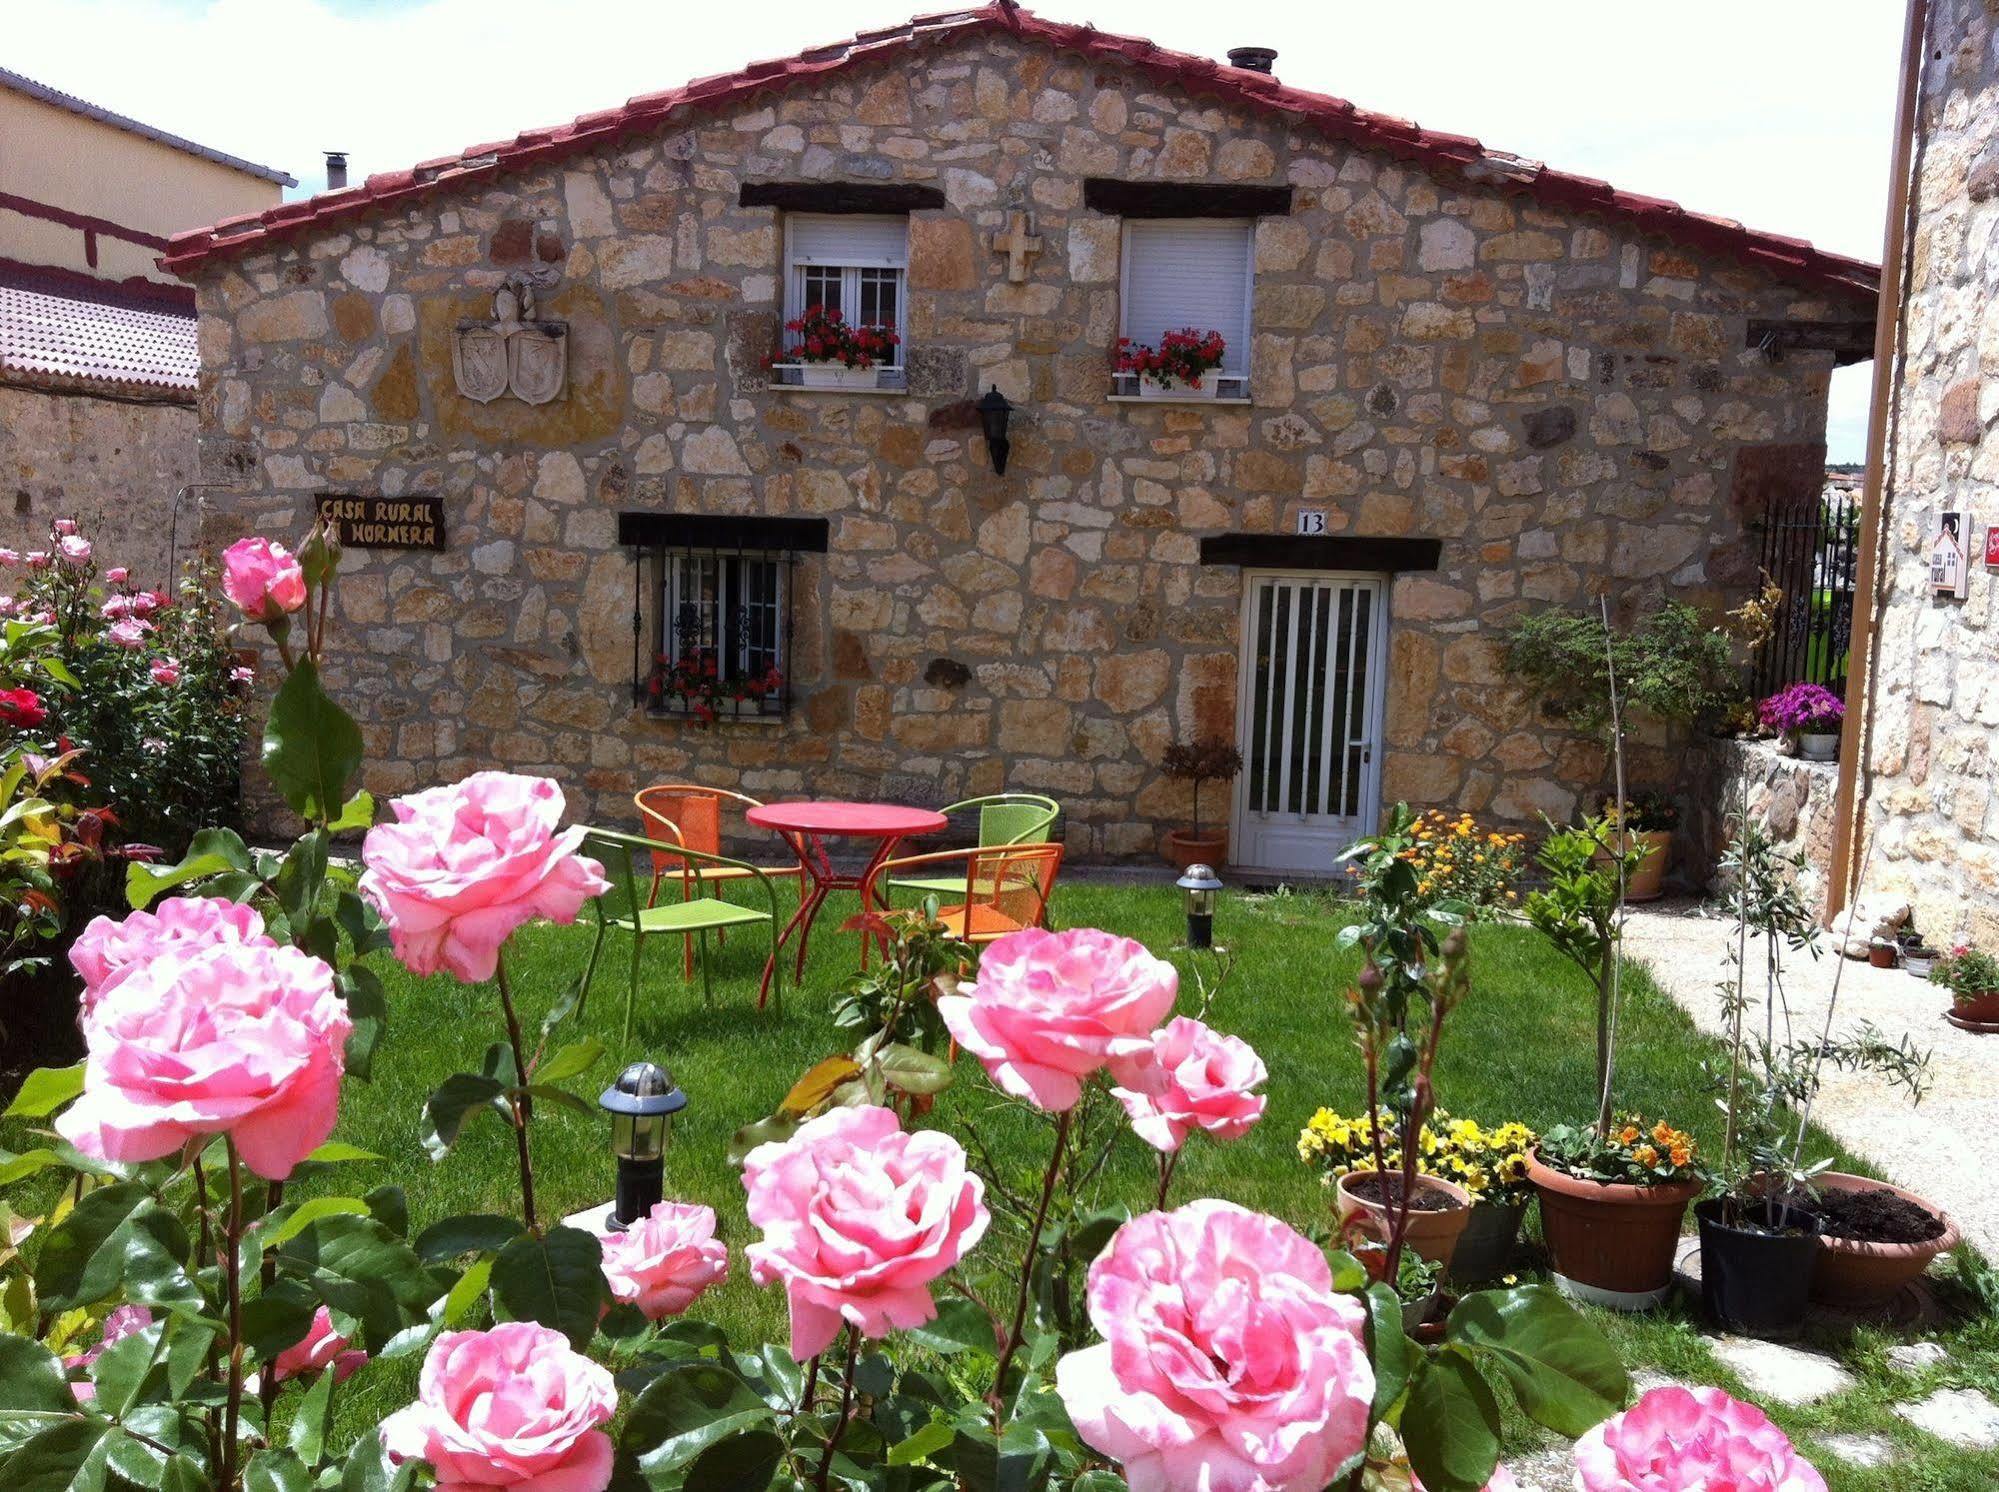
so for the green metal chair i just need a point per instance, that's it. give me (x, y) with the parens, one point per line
(1004, 819)
(627, 907)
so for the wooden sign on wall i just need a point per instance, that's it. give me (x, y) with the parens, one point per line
(385, 522)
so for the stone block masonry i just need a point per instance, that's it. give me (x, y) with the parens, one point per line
(1560, 401)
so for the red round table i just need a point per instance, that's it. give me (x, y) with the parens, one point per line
(806, 827)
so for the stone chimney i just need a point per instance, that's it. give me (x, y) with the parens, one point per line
(1253, 59)
(336, 166)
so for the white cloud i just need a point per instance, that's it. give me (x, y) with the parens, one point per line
(1776, 113)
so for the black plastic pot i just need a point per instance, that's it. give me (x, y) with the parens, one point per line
(1757, 1283)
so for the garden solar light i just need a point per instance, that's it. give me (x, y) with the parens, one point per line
(640, 1103)
(1201, 884)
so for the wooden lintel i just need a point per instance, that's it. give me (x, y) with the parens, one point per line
(1183, 199)
(1848, 341)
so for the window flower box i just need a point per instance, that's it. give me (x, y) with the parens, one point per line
(837, 376)
(1207, 388)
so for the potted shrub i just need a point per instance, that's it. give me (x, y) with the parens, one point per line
(1645, 822)
(1177, 368)
(1972, 977)
(1918, 957)
(832, 354)
(1809, 715)
(1213, 760)
(1463, 862)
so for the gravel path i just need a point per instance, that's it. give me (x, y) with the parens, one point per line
(1937, 1148)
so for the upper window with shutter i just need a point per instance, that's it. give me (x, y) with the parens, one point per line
(1188, 274)
(844, 295)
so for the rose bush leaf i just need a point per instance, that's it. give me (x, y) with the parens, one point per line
(45, 1090)
(282, 1226)
(557, 1279)
(116, 1236)
(1561, 1368)
(312, 747)
(744, 1462)
(467, 1233)
(27, 1163)
(1388, 1347)
(1019, 1461)
(1451, 1425)
(277, 1319)
(312, 1420)
(368, 1008)
(360, 1269)
(455, 1099)
(53, 1459)
(212, 852)
(31, 1385)
(908, 1070)
(960, 1326)
(276, 1471)
(686, 1409)
(123, 1369)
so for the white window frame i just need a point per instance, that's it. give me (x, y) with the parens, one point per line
(1231, 381)
(725, 628)
(890, 377)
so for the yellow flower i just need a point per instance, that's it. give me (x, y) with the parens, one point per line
(1645, 1155)
(1628, 1134)
(1663, 1132)
(1681, 1155)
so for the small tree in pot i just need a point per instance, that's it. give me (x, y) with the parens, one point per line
(1212, 760)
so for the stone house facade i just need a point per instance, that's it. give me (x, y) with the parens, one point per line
(1926, 775)
(1467, 385)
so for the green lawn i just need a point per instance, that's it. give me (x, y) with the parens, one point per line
(1520, 1047)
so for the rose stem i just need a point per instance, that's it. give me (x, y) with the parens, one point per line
(1168, 1159)
(207, 1239)
(1012, 1342)
(232, 1274)
(846, 1409)
(811, 1384)
(267, 1275)
(522, 1111)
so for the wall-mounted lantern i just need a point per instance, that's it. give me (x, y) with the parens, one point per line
(641, 1104)
(994, 411)
(1201, 886)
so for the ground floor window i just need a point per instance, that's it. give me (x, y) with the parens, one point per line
(724, 624)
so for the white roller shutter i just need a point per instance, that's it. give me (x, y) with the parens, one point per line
(1181, 272)
(839, 238)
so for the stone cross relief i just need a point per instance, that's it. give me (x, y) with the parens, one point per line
(513, 353)
(1019, 243)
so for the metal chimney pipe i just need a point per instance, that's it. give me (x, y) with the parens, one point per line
(336, 170)
(1253, 59)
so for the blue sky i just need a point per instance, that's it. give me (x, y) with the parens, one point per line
(1776, 112)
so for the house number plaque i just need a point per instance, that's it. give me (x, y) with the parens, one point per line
(385, 522)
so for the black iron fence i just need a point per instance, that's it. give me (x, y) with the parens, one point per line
(1808, 550)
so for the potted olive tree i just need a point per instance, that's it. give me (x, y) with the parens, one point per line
(1212, 760)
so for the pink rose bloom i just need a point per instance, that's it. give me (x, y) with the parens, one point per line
(166, 670)
(117, 574)
(129, 633)
(1048, 1009)
(10, 558)
(1691, 1440)
(38, 559)
(262, 579)
(7, 605)
(74, 550)
(465, 865)
(115, 608)
(106, 952)
(145, 603)
(1189, 1077)
(64, 525)
(239, 1039)
(121, 1323)
(320, 1347)
(858, 1218)
(663, 1261)
(513, 1407)
(241, 674)
(1228, 1364)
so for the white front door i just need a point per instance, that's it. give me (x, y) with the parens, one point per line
(1308, 717)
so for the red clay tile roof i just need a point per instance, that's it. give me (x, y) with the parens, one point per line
(58, 339)
(1790, 259)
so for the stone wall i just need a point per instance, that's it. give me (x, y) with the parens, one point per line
(1569, 406)
(112, 465)
(1791, 800)
(1928, 776)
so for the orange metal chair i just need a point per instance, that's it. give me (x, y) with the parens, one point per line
(686, 813)
(1003, 888)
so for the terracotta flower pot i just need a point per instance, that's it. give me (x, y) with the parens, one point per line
(1648, 880)
(1434, 1234)
(1210, 847)
(1979, 1009)
(1853, 1273)
(1612, 1243)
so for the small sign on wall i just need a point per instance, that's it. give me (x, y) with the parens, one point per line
(384, 522)
(1311, 520)
(1992, 547)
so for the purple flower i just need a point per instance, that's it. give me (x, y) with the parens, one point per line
(1802, 707)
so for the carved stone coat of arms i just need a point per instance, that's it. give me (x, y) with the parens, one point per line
(514, 353)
